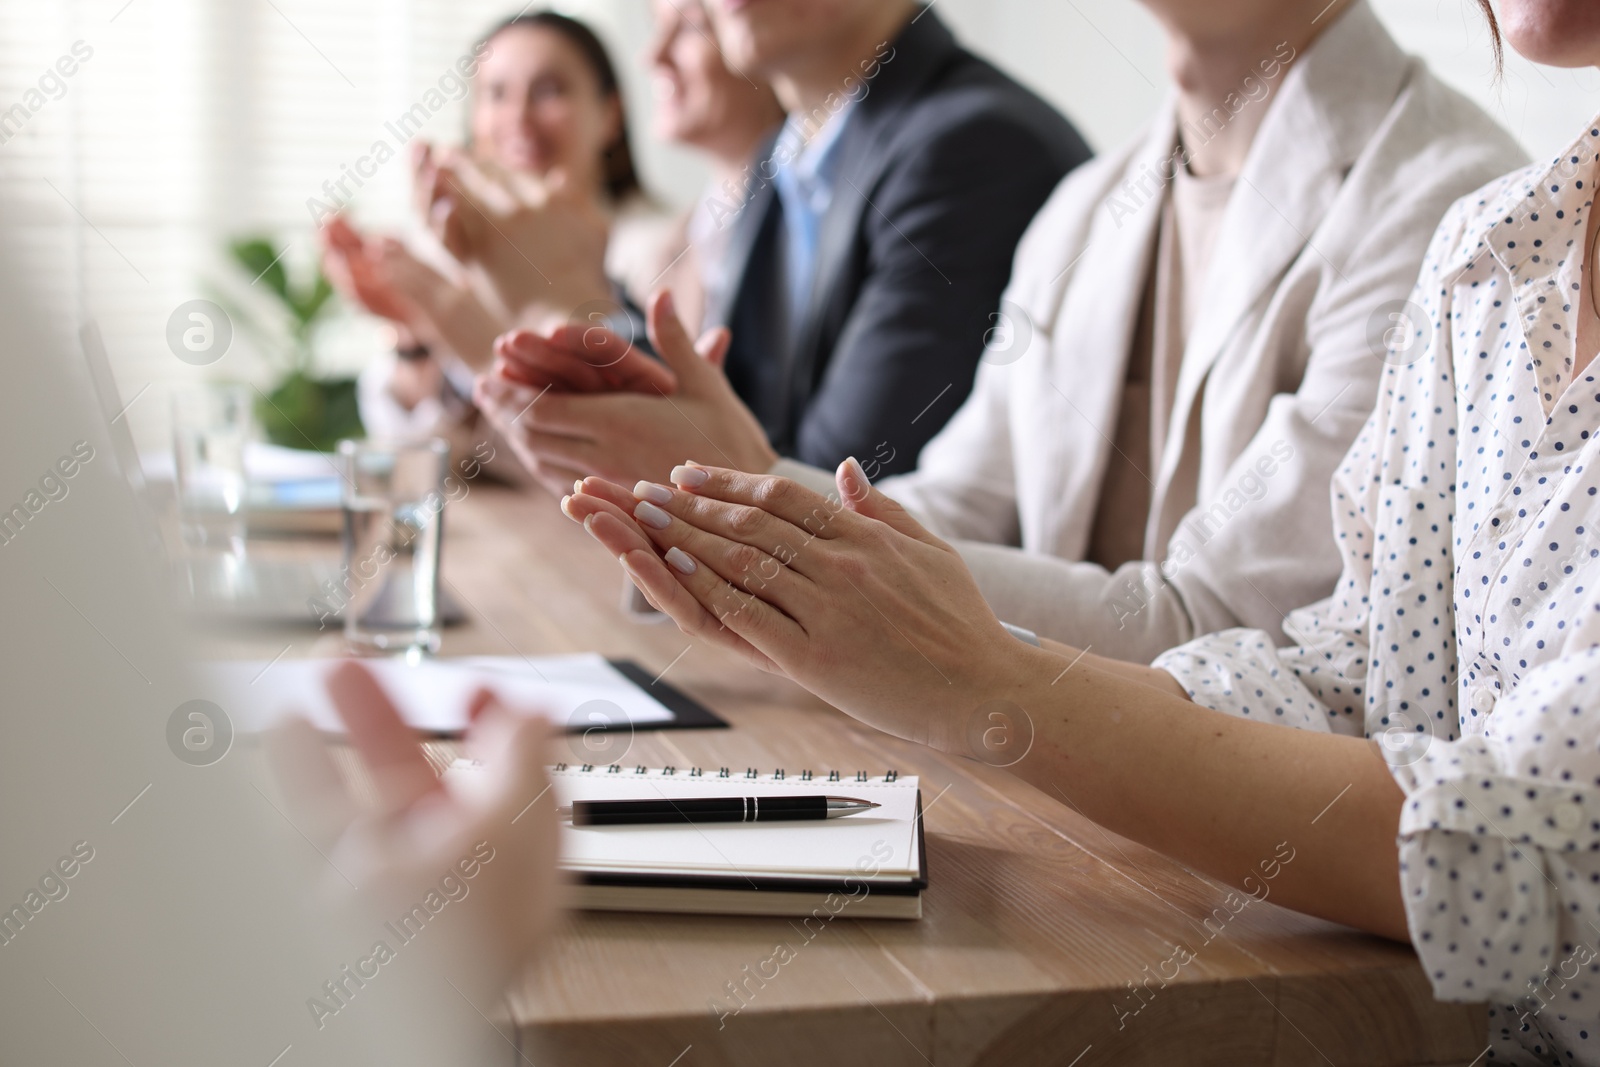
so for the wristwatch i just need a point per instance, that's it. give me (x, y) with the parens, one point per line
(1022, 633)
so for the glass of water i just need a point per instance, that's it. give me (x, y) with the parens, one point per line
(392, 497)
(210, 428)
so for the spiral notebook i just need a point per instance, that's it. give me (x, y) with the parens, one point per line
(867, 866)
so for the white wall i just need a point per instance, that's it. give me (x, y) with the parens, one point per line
(1101, 61)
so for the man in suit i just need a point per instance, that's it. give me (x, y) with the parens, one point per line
(871, 247)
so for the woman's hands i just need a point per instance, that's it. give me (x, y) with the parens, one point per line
(361, 270)
(421, 831)
(853, 600)
(379, 273)
(539, 242)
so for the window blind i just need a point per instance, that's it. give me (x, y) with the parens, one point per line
(186, 123)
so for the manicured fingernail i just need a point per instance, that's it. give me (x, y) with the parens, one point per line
(681, 561)
(689, 477)
(577, 486)
(651, 515)
(588, 524)
(859, 483)
(656, 494)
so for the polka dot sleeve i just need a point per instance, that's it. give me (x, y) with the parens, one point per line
(1500, 849)
(1241, 673)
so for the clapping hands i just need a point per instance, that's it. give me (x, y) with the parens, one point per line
(579, 400)
(360, 268)
(849, 596)
(539, 242)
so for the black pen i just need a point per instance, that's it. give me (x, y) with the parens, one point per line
(711, 809)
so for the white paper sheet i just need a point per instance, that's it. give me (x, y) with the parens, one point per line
(579, 690)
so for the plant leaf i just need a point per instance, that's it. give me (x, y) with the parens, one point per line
(258, 258)
(307, 306)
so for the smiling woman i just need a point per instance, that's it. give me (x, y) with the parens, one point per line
(546, 111)
(550, 98)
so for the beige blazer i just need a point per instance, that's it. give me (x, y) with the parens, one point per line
(1357, 159)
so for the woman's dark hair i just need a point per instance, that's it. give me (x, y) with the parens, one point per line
(620, 176)
(1494, 35)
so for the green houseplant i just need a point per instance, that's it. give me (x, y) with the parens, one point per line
(302, 410)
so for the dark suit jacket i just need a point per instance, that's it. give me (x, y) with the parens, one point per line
(941, 167)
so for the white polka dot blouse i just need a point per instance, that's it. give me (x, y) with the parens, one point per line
(1464, 633)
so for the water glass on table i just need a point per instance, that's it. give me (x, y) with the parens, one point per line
(392, 498)
(210, 427)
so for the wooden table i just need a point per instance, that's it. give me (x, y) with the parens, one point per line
(1037, 925)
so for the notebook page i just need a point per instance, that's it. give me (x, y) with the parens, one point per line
(880, 843)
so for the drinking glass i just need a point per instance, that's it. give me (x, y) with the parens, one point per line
(392, 498)
(210, 426)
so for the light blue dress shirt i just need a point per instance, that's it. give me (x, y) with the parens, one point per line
(804, 182)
